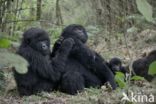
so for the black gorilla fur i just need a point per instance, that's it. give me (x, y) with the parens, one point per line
(141, 66)
(115, 64)
(43, 73)
(84, 67)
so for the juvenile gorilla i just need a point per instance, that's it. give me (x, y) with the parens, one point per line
(42, 72)
(115, 64)
(141, 66)
(84, 67)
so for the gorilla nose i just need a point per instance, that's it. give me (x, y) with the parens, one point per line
(44, 46)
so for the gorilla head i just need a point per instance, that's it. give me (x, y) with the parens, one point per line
(115, 64)
(75, 31)
(38, 40)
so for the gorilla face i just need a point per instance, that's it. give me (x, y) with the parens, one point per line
(42, 46)
(115, 64)
(81, 34)
(76, 32)
(38, 40)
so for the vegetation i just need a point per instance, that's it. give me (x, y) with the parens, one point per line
(121, 28)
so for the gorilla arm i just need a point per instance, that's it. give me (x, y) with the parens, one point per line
(56, 46)
(94, 62)
(42, 66)
(61, 55)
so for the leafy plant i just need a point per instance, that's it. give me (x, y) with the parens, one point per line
(13, 60)
(4, 43)
(152, 68)
(136, 78)
(145, 9)
(54, 33)
(120, 79)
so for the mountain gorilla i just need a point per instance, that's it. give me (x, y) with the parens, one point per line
(141, 66)
(84, 67)
(43, 73)
(115, 64)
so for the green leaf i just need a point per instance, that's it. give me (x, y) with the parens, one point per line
(13, 60)
(4, 43)
(132, 29)
(145, 9)
(152, 68)
(119, 78)
(136, 78)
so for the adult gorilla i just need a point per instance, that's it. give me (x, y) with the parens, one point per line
(141, 66)
(42, 73)
(84, 67)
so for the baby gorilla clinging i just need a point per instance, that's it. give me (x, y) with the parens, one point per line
(84, 67)
(42, 72)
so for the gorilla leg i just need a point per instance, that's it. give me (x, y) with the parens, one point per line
(43, 85)
(91, 80)
(72, 82)
(24, 91)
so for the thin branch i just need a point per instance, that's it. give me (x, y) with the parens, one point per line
(20, 9)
